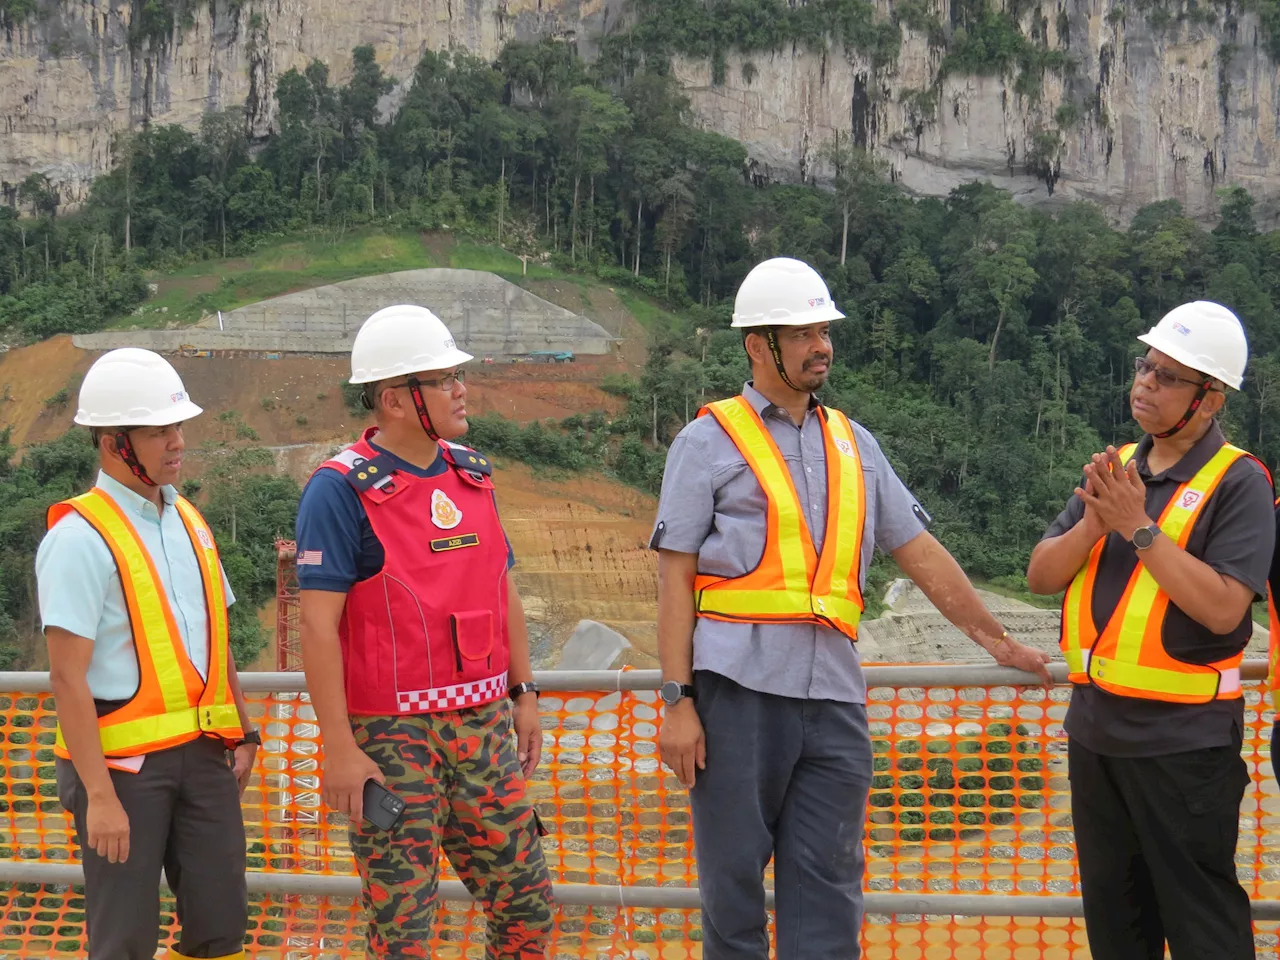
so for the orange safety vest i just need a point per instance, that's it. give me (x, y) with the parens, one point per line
(1129, 658)
(791, 583)
(172, 704)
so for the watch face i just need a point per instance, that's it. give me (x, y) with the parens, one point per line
(1143, 537)
(670, 692)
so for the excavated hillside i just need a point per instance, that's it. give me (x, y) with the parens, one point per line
(580, 540)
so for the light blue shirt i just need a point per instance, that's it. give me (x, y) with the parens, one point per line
(80, 588)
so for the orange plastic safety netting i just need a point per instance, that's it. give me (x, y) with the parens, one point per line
(970, 796)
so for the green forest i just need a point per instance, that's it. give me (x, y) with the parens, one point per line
(988, 346)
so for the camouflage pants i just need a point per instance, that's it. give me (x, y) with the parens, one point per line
(464, 793)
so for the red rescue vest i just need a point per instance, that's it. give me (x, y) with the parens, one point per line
(428, 632)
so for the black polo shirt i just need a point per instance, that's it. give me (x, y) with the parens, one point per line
(1235, 534)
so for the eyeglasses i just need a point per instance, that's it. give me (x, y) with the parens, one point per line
(444, 384)
(1164, 376)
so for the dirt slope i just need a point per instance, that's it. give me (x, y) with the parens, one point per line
(291, 400)
(579, 540)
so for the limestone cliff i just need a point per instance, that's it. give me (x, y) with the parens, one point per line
(1154, 112)
(70, 78)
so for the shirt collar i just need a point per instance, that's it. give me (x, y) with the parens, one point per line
(131, 502)
(764, 406)
(1195, 458)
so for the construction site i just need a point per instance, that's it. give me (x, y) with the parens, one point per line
(969, 841)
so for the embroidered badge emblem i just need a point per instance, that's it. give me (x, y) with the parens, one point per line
(444, 512)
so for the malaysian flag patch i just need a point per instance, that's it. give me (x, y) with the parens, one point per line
(311, 558)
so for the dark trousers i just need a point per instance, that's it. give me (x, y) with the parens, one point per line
(786, 779)
(184, 815)
(1156, 840)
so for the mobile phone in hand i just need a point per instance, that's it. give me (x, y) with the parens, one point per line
(382, 808)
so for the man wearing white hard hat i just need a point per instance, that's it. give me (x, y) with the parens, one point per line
(771, 506)
(416, 653)
(134, 605)
(1162, 550)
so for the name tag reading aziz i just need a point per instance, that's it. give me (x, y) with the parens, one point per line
(455, 543)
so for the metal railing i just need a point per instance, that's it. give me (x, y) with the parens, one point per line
(657, 897)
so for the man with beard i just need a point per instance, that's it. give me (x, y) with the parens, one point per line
(771, 505)
(1161, 551)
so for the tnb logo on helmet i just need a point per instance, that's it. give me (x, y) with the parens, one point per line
(1190, 499)
(178, 397)
(1180, 328)
(817, 301)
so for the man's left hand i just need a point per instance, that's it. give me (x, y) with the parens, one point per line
(528, 733)
(243, 765)
(1116, 493)
(1010, 653)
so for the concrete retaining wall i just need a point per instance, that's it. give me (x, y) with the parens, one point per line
(488, 316)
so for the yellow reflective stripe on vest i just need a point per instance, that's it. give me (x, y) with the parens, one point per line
(216, 683)
(122, 736)
(846, 478)
(749, 433)
(1076, 603)
(152, 604)
(748, 603)
(1137, 606)
(1139, 676)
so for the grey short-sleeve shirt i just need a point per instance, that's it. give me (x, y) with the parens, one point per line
(712, 505)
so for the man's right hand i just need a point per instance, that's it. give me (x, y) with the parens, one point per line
(681, 742)
(108, 827)
(345, 774)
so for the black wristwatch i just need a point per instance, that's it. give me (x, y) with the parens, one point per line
(673, 691)
(1144, 537)
(252, 736)
(520, 689)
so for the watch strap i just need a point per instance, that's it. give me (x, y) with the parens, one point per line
(520, 689)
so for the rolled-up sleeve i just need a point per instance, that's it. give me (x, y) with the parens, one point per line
(686, 506)
(74, 569)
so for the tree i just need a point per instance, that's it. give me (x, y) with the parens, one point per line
(589, 120)
(857, 177)
(223, 147)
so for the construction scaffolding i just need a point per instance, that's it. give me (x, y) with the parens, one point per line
(288, 643)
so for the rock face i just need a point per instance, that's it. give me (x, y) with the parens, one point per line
(1156, 112)
(70, 79)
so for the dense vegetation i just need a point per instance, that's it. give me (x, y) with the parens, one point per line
(988, 346)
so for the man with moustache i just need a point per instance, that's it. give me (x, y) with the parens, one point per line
(1161, 552)
(134, 604)
(771, 505)
(415, 650)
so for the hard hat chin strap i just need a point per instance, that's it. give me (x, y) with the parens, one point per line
(1201, 393)
(424, 418)
(130, 458)
(772, 339)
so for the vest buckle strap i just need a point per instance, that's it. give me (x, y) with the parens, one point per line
(1230, 682)
(453, 697)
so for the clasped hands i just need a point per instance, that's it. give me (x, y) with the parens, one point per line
(1115, 498)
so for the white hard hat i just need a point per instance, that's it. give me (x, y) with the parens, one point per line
(132, 387)
(1204, 336)
(402, 339)
(783, 292)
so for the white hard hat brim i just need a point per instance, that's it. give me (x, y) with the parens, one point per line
(824, 315)
(1175, 351)
(450, 358)
(178, 413)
